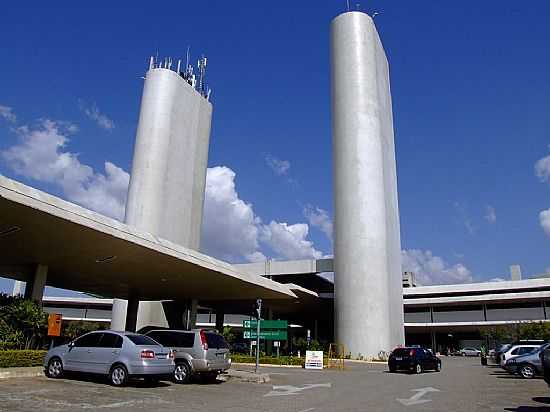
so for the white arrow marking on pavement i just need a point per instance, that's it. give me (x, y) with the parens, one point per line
(287, 390)
(415, 399)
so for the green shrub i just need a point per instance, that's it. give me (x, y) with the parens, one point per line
(21, 358)
(268, 360)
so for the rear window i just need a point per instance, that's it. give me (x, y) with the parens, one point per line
(216, 341)
(141, 340)
(401, 352)
(174, 339)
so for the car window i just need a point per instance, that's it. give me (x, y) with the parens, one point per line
(174, 339)
(141, 340)
(216, 341)
(110, 340)
(90, 340)
(515, 351)
(523, 351)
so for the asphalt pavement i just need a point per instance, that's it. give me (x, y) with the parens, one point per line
(462, 385)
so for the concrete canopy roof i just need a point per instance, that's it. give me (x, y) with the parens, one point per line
(89, 252)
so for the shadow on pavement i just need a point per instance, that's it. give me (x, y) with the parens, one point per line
(101, 380)
(528, 409)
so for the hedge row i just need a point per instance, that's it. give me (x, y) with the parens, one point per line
(271, 360)
(21, 358)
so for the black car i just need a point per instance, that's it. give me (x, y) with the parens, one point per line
(415, 360)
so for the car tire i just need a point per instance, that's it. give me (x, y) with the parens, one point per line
(55, 368)
(438, 367)
(392, 369)
(182, 373)
(118, 376)
(418, 368)
(527, 371)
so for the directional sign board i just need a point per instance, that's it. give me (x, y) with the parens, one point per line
(269, 329)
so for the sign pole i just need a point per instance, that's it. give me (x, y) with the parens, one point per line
(259, 310)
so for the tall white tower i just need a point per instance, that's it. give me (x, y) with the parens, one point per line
(367, 246)
(166, 193)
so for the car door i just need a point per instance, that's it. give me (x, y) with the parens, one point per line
(106, 352)
(78, 357)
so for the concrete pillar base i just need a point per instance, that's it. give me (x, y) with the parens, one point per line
(131, 314)
(220, 317)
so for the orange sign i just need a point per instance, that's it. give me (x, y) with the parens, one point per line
(54, 324)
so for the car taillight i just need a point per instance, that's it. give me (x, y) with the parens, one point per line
(147, 354)
(412, 352)
(204, 343)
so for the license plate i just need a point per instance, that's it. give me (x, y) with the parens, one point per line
(398, 358)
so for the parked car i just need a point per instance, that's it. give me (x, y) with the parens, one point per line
(517, 350)
(469, 352)
(527, 366)
(415, 360)
(118, 355)
(505, 347)
(197, 352)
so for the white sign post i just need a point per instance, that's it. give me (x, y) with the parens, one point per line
(314, 359)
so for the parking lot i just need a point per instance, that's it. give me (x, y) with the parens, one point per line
(463, 385)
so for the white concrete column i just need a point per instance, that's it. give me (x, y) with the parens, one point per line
(34, 288)
(118, 314)
(367, 250)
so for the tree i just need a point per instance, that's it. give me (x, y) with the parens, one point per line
(23, 323)
(228, 334)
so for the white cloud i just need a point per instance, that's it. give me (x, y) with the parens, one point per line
(433, 270)
(280, 167)
(497, 280)
(230, 228)
(7, 113)
(542, 169)
(544, 218)
(319, 218)
(491, 215)
(289, 241)
(92, 111)
(41, 155)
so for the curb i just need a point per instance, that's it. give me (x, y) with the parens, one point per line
(245, 376)
(12, 373)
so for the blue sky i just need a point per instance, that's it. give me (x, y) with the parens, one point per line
(470, 85)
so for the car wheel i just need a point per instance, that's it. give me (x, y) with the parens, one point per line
(418, 368)
(55, 368)
(118, 375)
(463, 353)
(527, 372)
(392, 369)
(182, 372)
(438, 367)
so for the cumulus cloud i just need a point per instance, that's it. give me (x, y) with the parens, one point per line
(289, 241)
(542, 169)
(433, 270)
(491, 215)
(7, 114)
(544, 218)
(41, 155)
(230, 228)
(93, 112)
(279, 167)
(319, 218)
(497, 280)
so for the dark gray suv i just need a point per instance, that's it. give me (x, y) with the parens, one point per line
(197, 352)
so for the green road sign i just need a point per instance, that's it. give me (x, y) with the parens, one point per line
(269, 329)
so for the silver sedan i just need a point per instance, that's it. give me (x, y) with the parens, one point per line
(118, 355)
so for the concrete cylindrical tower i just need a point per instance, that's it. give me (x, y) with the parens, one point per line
(367, 246)
(166, 193)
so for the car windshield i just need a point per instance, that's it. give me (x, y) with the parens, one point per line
(401, 351)
(141, 340)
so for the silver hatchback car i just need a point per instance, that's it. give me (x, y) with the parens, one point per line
(197, 352)
(118, 355)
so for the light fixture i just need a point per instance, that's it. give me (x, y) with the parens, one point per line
(9, 230)
(106, 259)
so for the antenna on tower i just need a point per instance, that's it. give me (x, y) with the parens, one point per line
(347, 4)
(187, 61)
(202, 74)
